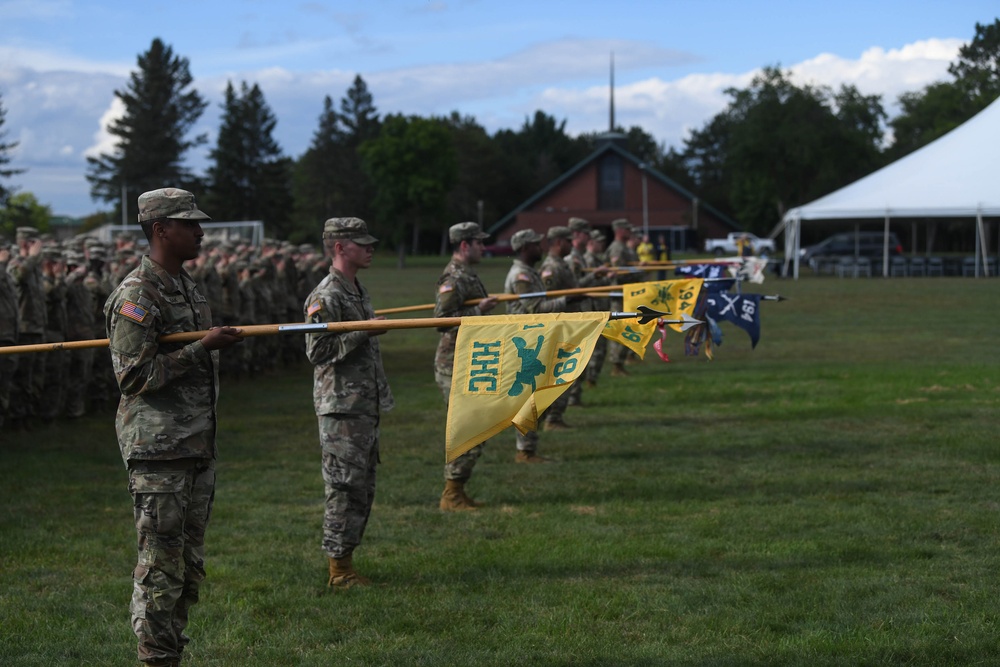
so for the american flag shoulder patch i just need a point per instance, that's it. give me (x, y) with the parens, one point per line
(133, 311)
(314, 308)
(446, 287)
(523, 277)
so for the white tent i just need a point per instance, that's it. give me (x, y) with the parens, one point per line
(957, 175)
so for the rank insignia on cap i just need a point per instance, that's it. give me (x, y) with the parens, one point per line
(133, 311)
(445, 288)
(314, 308)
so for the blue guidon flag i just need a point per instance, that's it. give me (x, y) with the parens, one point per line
(743, 310)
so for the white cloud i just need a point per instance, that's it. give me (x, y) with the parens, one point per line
(104, 141)
(59, 106)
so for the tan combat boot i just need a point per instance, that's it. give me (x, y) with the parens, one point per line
(557, 425)
(342, 574)
(454, 498)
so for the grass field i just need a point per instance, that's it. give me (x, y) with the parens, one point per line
(829, 498)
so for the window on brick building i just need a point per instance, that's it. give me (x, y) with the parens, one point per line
(611, 183)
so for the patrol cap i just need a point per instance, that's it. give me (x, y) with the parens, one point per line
(466, 231)
(172, 203)
(621, 223)
(348, 229)
(26, 233)
(597, 235)
(579, 225)
(73, 257)
(523, 237)
(51, 254)
(560, 232)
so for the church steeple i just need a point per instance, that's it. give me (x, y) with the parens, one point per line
(611, 127)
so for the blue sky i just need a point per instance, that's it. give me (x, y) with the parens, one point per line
(499, 61)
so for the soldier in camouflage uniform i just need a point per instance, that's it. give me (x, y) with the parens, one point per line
(81, 325)
(523, 279)
(621, 254)
(9, 321)
(457, 285)
(56, 323)
(578, 263)
(557, 274)
(594, 258)
(25, 270)
(166, 419)
(350, 392)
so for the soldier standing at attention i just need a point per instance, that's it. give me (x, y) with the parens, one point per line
(458, 284)
(523, 279)
(557, 274)
(8, 329)
(166, 419)
(594, 258)
(350, 391)
(620, 253)
(25, 270)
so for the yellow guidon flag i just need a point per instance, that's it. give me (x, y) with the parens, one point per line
(510, 368)
(673, 298)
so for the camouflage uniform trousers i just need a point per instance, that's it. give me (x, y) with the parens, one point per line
(596, 362)
(54, 381)
(81, 363)
(350, 456)
(8, 366)
(28, 379)
(172, 504)
(459, 470)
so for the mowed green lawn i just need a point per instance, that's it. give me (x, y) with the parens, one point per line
(829, 498)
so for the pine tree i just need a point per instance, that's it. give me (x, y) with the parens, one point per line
(317, 195)
(249, 178)
(361, 123)
(159, 112)
(5, 149)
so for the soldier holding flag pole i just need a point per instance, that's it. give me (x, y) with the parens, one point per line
(458, 285)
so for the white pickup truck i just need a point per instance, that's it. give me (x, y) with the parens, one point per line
(729, 245)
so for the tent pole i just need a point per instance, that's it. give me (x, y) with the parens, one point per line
(885, 248)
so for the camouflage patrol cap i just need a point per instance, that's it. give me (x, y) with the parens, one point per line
(524, 237)
(560, 232)
(349, 229)
(172, 203)
(73, 258)
(51, 254)
(621, 223)
(579, 225)
(26, 233)
(597, 235)
(466, 231)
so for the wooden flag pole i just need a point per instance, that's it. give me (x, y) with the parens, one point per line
(644, 314)
(505, 297)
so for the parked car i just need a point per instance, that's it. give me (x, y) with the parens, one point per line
(846, 244)
(730, 244)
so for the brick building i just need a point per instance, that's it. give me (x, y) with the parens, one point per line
(612, 183)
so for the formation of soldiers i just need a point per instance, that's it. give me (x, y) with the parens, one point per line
(54, 291)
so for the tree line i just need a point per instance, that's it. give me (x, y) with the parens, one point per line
(775, 145)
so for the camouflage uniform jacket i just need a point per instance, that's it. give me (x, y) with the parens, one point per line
(557, 274)
(80, 308)
(348, 377)
(523, 279)
(27, 275)
(619, 254)
(458, 284)
(592, 261)
(9, 318)
(577, 262)
(169, 390)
